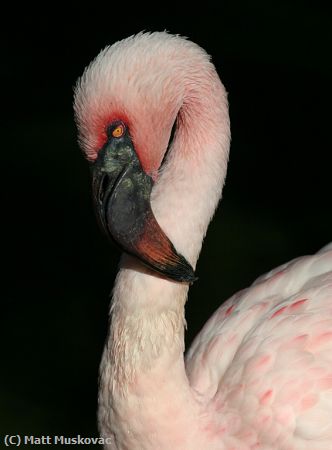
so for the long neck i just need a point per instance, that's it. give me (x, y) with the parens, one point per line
(147, 322)
(148, 311)
(142, 371)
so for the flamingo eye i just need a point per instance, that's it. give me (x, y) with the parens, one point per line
(118, 131)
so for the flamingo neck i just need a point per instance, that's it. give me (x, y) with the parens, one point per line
(143, 364)
(148, 311)
(147, 322)
(144, 390)
(190, 183)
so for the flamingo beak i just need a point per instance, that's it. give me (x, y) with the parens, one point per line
(121, 194)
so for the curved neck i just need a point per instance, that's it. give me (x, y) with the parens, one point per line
(189, 187)
(143, 365)
(148, 311)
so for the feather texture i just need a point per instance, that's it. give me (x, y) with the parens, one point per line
(259, 374)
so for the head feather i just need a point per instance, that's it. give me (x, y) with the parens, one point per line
(143, 80)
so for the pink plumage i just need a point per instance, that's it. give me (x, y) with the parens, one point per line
(259, 374)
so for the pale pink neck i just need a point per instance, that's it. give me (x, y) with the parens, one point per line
(142, 372)
(147, 318)
(189, 188)
(183, 200)
(143, 361)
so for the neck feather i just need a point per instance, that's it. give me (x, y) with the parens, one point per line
(189, 187)
(143, 366)
(148, 311)
(147, 322)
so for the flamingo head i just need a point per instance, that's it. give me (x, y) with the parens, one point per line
(125, 120)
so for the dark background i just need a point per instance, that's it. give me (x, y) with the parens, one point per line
(275, 61)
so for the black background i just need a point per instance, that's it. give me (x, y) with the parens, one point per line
(275, 61)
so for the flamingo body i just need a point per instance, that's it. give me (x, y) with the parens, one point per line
(264, 358)
(259, 374)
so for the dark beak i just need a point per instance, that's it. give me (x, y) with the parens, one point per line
(121, 194)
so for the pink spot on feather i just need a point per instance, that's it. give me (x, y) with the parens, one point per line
(212, 429)
(263, 361)
(298, 303)
(229, 310)
(325, 383)
(278, 312)
(266, 397)
(300, 339)
(308, 401)
(298, 342)
(320, 340)
(277, 275)
(265, 419)
(258, 364)
(259, 307)
(293, 306)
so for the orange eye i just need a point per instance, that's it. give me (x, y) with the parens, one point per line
(118, 131)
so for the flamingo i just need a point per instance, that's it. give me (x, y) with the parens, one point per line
(259, 374)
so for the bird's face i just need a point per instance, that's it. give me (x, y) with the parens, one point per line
(121, 194)
(125, 104)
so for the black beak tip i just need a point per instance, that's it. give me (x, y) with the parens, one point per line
(181, 272)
